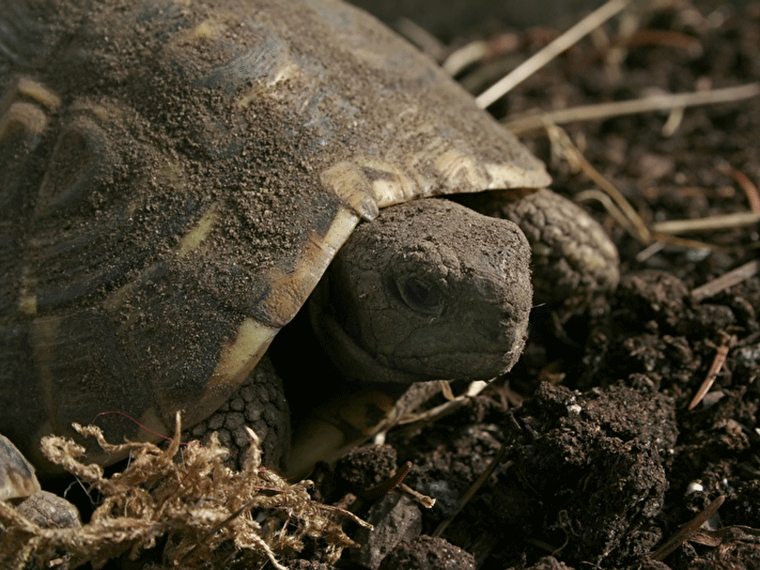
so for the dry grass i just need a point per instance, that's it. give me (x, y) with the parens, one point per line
(203, 514)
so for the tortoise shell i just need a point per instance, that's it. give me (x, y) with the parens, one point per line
(177, 176)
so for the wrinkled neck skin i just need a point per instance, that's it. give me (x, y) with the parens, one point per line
(429, 290)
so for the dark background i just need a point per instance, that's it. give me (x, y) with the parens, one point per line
(450, 18)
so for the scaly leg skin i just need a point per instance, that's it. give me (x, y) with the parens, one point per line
(259, 404)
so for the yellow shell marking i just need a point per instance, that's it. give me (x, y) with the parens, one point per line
(29, 88)
(208, 29)
(18, 115)
(352, 187)
(236, 361)
(200, 232)
(22, 117)
(289, 291)
(27, 303)
(393, 185)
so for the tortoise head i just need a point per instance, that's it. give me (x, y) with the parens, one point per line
(428, 290)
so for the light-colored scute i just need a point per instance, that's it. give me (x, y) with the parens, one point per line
(17, 478)
(199, 233)
(290, 291)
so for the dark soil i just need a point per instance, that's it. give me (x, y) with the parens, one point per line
(604, 462)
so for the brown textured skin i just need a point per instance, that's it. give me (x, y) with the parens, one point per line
(50, 511)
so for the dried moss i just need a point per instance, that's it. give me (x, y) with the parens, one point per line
(208, 514)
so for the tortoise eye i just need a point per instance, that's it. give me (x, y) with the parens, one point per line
(420, 295)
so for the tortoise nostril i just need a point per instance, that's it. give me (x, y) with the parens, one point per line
(492, 330)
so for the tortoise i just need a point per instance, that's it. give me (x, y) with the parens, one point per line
(177, 176)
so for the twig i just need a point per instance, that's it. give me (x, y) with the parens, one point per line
(733, 533)
(675, 118)
(652, 249)
(666, 101)
(345, 513)
(388, 485)
(627, 216)
(423, 39)
(475, 51)
(750, 190)
(464, 57)
(665, 38)
(608, 204)
(708, 224)
(538, 60)
(452, 403)
(725, 281)
(690, 243)
(688, 529)
(561, 141)
(424, 500)
(712, 374)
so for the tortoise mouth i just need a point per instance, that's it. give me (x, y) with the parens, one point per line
(452, 364)
(359, 363)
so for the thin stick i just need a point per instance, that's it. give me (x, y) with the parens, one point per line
(388, 485)
(478, 50)
(690, 528)
(708, 224)
(561, 141)
(540, 59)
(611, 207)
(691, 243)
(661, 102)
(733, 277)
(345, 513)
(424, 500)
(750, 190)
(712, 374)
(451, 404)
(465, 56)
